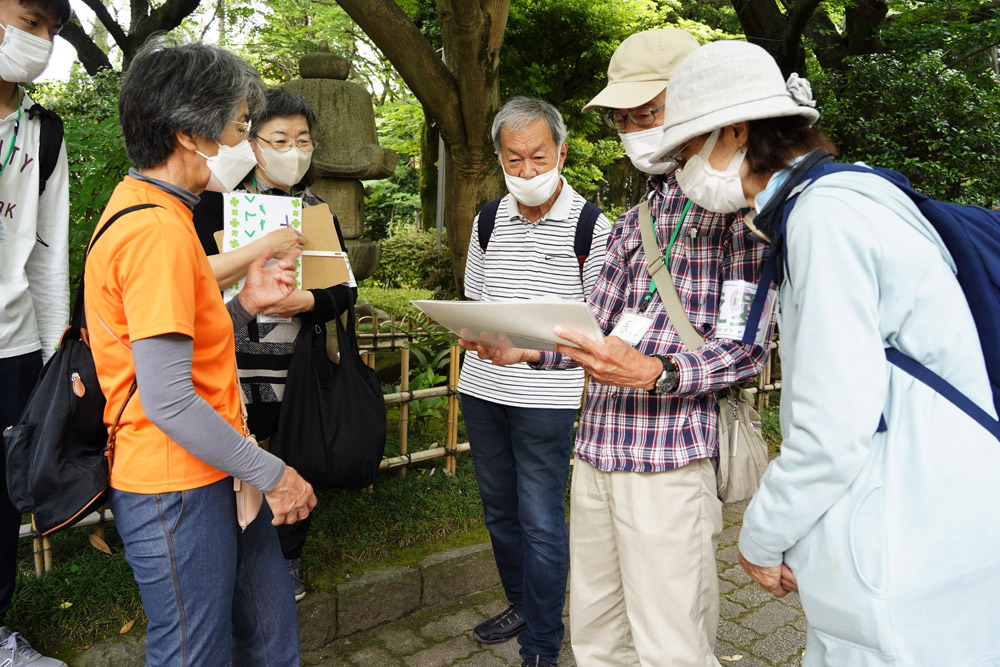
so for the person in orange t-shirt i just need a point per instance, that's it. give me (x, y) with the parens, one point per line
(159, 327)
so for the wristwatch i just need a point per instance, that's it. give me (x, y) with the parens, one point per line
(668, 378)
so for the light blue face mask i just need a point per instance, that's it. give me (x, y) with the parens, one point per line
(778, 179)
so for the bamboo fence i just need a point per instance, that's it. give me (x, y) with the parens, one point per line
(395, 338)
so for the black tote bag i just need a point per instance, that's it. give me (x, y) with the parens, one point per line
(332, 423)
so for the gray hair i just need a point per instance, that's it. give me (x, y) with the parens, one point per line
(191, 88)
(520, 112)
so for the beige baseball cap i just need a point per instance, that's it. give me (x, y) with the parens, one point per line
(641, 67)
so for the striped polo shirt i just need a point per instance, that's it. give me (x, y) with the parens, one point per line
(525, 260)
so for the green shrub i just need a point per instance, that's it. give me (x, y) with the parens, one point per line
(95, 149)
(409, 259)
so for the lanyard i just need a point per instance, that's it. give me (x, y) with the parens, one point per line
(17, 126)
(666, 257)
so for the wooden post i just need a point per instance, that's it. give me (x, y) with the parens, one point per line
(404, 407)
(47, 554)
(36, 550)
(452, 439)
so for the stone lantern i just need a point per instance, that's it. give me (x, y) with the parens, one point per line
(348, 150)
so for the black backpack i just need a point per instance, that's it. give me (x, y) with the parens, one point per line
(582, 240)
(49, 143)
(57, 466)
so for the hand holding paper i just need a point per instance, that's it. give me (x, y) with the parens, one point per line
(497, 354)
(610, 361)
(283, 241)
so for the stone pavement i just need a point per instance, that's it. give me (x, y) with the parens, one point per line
(755, 629)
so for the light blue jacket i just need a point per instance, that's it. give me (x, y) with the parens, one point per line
(894, 537)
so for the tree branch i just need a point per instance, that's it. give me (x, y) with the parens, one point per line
(166, 17)
(418, 63)
(109, 22)
(90, 55)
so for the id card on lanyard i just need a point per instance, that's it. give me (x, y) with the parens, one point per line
(634, 323)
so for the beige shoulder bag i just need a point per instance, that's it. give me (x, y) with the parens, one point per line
(742, 450)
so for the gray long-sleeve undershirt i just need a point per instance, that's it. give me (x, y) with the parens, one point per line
(163, 377)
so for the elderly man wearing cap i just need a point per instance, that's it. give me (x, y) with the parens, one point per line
(645, 516)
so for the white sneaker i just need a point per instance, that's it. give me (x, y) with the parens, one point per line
(15, 651)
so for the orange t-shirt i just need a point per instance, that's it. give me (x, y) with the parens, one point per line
(145, 277)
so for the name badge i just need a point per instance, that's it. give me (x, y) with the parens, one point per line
(734, 310)
(632, 326)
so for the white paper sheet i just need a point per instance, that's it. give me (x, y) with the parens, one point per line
(524, 323)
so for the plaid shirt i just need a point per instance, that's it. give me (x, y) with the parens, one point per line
(632, 429)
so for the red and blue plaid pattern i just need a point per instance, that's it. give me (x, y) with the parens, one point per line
(631, 429)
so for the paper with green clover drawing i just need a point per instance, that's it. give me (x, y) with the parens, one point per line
(248, 217)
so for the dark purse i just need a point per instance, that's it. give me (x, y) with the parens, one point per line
(332, 422)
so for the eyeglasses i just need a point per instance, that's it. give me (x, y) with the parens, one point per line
(677, 157)
(243, 126)
(642, 117)
(284, 145)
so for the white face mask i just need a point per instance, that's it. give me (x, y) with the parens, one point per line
(23, 56)
(706, 186)
(286, 168)
(640, 145)
(533, 191)
(229, 166)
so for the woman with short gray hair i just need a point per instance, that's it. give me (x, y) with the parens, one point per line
(213, 583)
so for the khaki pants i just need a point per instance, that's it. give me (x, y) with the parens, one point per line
(643, 583)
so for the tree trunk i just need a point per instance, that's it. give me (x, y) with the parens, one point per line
(428, 174)
(461, 97)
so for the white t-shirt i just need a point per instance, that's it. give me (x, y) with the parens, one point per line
(34, 262)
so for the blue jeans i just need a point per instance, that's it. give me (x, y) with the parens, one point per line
(212, 594)
(522, 466)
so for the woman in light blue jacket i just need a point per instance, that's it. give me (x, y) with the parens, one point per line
(889, 530)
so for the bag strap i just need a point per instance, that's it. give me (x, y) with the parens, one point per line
(656, 265)
(487, 220)
(943, 387)
(109, 449)
(77, 321)
(583, 238)
(49, 143)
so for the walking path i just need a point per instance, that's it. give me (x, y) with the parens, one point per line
(755, 629)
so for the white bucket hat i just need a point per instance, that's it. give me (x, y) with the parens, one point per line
(729, 82)
(641, 67)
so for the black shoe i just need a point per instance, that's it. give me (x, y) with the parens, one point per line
(501, 627)
(537, 661)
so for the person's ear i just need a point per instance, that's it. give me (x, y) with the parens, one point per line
(563, 152)
(740, 132)
(185, 140)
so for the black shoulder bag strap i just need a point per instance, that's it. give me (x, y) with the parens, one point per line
(49, 143)
(584, 237)
(487, 219)
(77, 321)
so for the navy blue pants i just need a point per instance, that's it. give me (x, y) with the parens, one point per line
(522, 457)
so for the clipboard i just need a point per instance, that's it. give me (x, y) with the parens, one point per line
(324, 262)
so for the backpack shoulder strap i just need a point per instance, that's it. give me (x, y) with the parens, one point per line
(49, 143)
(487, 220)
(77, 321)
(584, 237)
